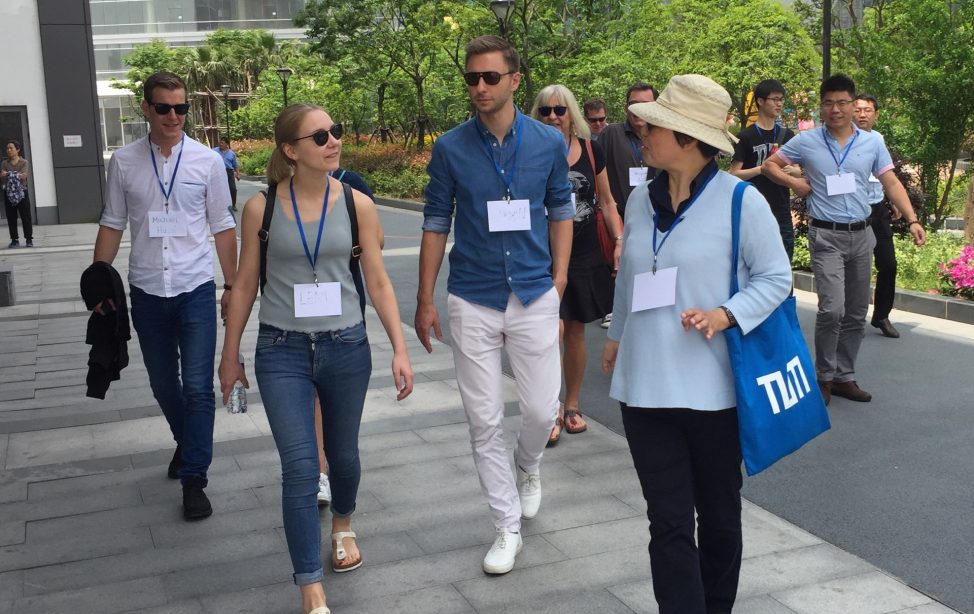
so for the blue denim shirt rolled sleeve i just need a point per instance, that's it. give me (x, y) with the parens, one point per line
(440, 191)
(558, 199)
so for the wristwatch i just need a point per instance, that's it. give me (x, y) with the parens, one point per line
(730, 317)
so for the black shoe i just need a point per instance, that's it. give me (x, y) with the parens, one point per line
(887, 328)
(14, 243)
(176, 463)
(196, 505)
(851, 390)
(30, 243)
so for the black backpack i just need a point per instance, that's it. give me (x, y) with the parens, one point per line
(353, 261)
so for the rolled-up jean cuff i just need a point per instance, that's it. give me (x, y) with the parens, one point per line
(336, 514)
(303, 579)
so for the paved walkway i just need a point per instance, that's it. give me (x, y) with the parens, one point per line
(90, 524)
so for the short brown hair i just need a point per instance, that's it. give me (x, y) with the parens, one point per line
(490, 43)
(594, 104)
(167, 80)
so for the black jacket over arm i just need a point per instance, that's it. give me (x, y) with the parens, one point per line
(108, 334)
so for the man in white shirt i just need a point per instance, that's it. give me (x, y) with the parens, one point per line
(173, 192)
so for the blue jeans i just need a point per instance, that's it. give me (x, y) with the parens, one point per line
(174, 332)
(290, 366)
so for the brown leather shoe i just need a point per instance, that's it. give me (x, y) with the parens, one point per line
(850, 390)
(826, 388)
(887, 328)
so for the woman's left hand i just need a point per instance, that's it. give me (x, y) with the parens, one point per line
(616, 254)
(707, 322)
(402, 375)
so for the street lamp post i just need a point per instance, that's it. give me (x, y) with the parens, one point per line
(226, 107)
(502, 10)
(284, 73)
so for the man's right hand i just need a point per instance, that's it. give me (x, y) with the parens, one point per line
(801, 187)
(102, 309)
(427, 316)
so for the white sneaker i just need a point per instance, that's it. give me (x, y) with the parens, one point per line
(324, 489)
(607, 320)
(500, 557)
(529, 490)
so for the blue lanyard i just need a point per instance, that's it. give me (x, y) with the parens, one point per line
(507, 178)
(172, 178)
(848, 148)
(321, 225)
(774, 136)
(676, 222)
(635, 151)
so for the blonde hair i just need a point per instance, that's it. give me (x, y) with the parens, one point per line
(564, 96)
(286, 128)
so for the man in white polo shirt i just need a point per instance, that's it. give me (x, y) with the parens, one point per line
(173, 192)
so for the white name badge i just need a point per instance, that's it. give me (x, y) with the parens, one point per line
(843, 183)
(874, 179)
(508, 215)
(652, 290)
(317, 300)
(163, 224)
(638, 174)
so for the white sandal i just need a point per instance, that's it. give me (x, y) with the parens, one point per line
(341, 554)
(321, 610)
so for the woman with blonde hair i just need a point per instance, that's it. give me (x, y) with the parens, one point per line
(312, 335)
(588, 294)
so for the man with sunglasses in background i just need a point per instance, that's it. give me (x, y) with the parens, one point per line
(623, 149)
(757, 143)
(172, 190)
(595, 116)
(838, 159)
(508, 269)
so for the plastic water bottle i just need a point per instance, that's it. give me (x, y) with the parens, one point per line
(237, 403)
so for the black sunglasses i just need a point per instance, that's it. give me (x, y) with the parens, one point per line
(595, 120)
(162, 108)
(320, 137)
(546, 111)
(491, 77)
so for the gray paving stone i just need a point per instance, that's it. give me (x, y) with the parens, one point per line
(764, 604)
(20, 343)
(784, 570)
(11, 586)
(12, 532)
(17, 391)
(24, 556)
(189, 606)
(279, 598)
(104, 598)
(577, 542)
(434, 600)
(227, 576)
(595, 572)
(14, 359)
(152, 562)
(601, 601)
(81, 504)
(105, 522)
(221, 524)
(21, 373)
(765, 533)
(928, 608)
(870, 593)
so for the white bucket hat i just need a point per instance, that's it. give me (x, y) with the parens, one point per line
(694, 105)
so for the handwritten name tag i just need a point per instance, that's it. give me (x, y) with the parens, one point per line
(508, 215)
(317, 300)
(171, 224)
(652, 290)
(637, 175)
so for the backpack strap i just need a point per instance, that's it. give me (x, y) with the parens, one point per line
(356, 253)
(270, 198)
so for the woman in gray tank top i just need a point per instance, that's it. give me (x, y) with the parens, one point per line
(312, 337)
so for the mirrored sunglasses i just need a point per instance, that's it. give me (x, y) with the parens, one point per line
(320, 137)
(161, 108)
(491, 77)
(546, 111)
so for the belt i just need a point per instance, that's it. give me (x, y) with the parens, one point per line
(860, 225)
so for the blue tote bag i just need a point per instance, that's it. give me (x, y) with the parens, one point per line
(779, 405)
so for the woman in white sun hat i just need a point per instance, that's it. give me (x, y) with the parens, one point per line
(672, 375)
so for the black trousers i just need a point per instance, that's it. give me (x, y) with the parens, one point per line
(232, 180)
(21, 209)
(884, 256)
(690, 461)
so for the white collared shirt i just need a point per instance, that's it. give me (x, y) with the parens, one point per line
(168, 266)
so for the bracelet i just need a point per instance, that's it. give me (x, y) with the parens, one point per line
(915, 222)
(618, 237)
(227, 287)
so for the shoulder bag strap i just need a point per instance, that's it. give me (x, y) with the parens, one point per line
(736, 206)
(356, 253)
(270, 197)
(595, 173)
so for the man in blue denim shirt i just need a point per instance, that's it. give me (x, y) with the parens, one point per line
(508, 268)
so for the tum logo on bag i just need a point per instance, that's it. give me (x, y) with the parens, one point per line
(792, 385)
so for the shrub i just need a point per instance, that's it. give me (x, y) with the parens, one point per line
(802, 259)
(253, 155)
(957, 275)
(918, 268)
(389, 168)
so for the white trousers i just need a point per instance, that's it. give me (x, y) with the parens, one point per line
(530, 336)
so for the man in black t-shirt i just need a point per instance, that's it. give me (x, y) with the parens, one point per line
(757, 143)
